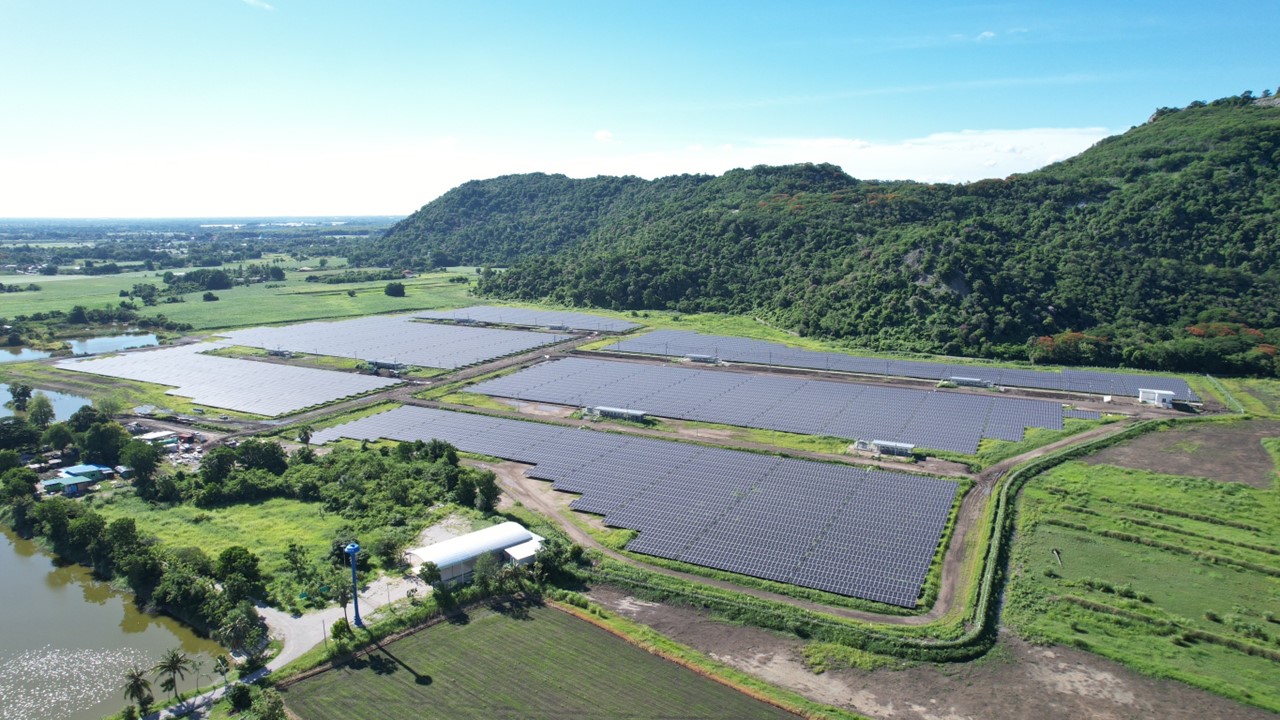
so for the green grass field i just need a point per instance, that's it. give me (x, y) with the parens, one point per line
(1176, 577)
(290, 301)
(265, 528)
(547, 664)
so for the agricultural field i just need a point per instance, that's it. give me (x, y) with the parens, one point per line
(291, 300)
(532, 663)
(1174, 576)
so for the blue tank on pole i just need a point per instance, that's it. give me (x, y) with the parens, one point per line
(351, 550)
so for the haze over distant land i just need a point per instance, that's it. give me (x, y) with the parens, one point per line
(237, 108)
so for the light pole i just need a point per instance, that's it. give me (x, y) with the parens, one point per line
(351, 551)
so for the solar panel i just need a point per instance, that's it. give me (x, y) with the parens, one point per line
(677, 343)
(531, 318)
(395, 338)
(244, 385)
(938, 420)
(853, 531)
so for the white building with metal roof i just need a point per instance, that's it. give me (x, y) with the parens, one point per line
(456, 557)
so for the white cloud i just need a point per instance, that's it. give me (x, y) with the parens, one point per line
(603, 136)
(259, 4)
(396, 178)
(984, 36)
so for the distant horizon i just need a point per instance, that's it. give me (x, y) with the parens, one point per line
(249, 108)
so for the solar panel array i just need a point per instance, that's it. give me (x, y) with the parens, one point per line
(684, 342)
(531, 318)
(866, 533)
(244, 385)
(395, 338)
(932, 419)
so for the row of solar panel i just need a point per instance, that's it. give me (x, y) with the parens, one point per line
(859, 532)
(530, 318)
(932, 419)
(683, 342)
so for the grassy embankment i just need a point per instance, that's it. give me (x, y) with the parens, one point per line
(449, 670)
(1177, 577)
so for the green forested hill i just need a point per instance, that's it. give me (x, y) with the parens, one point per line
(1156, 248)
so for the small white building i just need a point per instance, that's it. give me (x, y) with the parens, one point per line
(1159, 398)
(456, 557)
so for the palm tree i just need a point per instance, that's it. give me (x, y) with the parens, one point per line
(137, 688)
(222, 666)
(172, 668)
(304, 434)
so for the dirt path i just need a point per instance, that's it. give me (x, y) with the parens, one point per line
(1014, 681)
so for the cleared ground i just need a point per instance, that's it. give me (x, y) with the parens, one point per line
(1175, 576)
(1013, 682)
(541, 663)
(1228, 452)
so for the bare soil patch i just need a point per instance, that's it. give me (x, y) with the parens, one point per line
(1223, 452)
(1015, 681)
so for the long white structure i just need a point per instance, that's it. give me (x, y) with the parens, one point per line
(456, 557)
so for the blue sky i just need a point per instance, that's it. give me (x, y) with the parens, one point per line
(185, 108)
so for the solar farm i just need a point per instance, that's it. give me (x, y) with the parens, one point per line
(939, 420)
(678, 343)
(395, 338)
(857, 532)
(243, 385)
(531, 318)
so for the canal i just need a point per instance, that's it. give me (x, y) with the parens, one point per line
(66, 639)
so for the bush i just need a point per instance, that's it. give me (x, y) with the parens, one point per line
(210, 297)
(394, 289)
(240, 697)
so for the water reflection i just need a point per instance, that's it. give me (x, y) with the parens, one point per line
(64, 404)
(111, 343)
(66, 638)
(21, 354)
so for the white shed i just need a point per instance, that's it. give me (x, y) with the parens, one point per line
(1160, 398)
(456, 557)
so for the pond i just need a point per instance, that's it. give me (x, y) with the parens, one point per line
(21, 354)
(111, 343)
(66, 639)
(63, 404)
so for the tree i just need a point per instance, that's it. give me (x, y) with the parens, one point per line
(102, 442)
(240, 697)
(237, 560)
(57, 436)
(269, 706)
(299, 560)
(341, 586)
(21, 394)
(429, 573)
(217, 465)
(173, 667)
(242, 628)
(222, 666)
(394, 289)
(144, 458)
(40, 411)
(488, 568)
(304, 434)
(17, 433)
(263, 455)
(137, 688)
